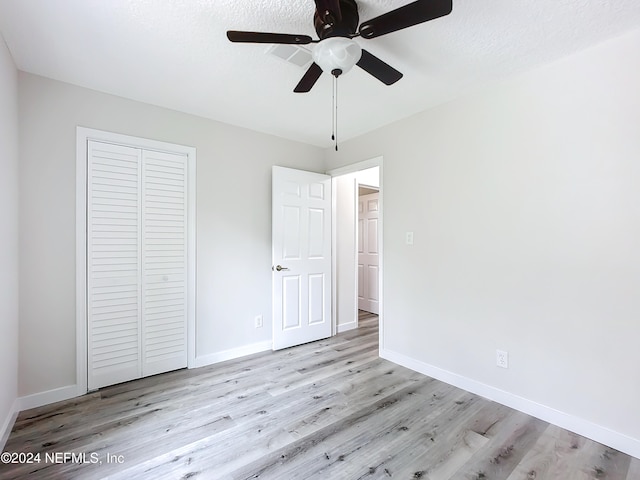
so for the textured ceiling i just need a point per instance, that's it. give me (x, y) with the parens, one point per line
(174, 53)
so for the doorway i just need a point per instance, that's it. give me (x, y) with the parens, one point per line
(346, 185)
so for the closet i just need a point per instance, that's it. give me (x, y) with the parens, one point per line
(136, 263)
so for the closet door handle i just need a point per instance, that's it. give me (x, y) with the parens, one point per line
(280, 268)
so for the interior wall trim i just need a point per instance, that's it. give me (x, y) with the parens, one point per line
(71, 391)
(40, 399)
(598, 433)
(34, 400)
(7, 426)
(346, 327)
(232, 354)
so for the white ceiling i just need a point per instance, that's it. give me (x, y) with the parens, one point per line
(174, 53)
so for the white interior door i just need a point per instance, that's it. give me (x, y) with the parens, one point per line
(301, 242)
(368, 253)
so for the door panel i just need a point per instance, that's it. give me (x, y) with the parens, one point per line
(360, 282)
(372, 284)
(372, 235)
(316, 234)
(291, 236)
(113, 264)
(291, 293)
(316, 298)
(164, 266)
(301, 238)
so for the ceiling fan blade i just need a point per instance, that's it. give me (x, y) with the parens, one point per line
(379, 69)
(259, 37)
(412, 14)
(309, 79)
(326, 8)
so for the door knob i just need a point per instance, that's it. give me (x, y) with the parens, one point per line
(280, 268)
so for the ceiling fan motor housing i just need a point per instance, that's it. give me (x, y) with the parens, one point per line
(329, 25)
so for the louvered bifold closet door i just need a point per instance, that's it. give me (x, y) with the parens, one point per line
(164, 318)
(136, 263)
(113, 264)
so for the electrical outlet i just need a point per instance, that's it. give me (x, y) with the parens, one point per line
(258, 321)
(502, 359)
(409, 238)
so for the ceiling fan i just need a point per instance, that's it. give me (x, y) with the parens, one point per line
(336, 23)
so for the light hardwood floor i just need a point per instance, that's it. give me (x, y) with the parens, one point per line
(326, 410)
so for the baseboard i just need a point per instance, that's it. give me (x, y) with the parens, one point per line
(598, 433)
(71, 391)
(50, 396)
(7, 426)
(346, 327)
(232, 354)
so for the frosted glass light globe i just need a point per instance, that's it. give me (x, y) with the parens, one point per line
(337, 53)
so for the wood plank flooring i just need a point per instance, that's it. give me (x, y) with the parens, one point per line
(325, 410)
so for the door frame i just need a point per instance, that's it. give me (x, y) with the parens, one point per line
(83, 135)
(353, 168)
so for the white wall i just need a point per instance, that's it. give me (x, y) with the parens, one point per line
(233, 221)
(8, 240)
(525, 203)
(369, 177)
(345, 265)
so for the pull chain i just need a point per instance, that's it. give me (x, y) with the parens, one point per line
(334, 136)
(333, 110)
(336, 111)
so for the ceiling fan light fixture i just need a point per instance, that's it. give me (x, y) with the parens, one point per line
(337, 53)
